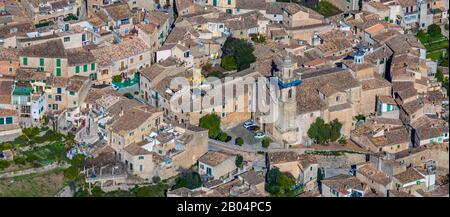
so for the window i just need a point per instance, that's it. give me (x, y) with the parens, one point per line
(58, 98)
(2, 121)
(58, 72)
(92, 66)
(49, 96)
(85, 68)
(141, 168)
(141, 57)
(338, 98)
(10, 69)
(290, 93)
(131, 61)
(9, 120)
(41, 61)
(59, 90)
(77, 69)
(186, 54)
(72, 93)
(25, 61)
(58, 62)
(418, 183)
(141, 157)
(66, 39)
(229, 2)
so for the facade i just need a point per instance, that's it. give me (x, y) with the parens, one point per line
(49, 56)
(217, 165)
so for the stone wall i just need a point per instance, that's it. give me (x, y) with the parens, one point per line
(345, 160)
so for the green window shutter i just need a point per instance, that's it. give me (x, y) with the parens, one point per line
(9, 120)
(386, 19)
(229, 2)
(85, 68)
(58, 72)
(388, 107)
(92, 66)
(2, 121)
(41, 61)
(77, 69)
(58, 62)
(25, 61)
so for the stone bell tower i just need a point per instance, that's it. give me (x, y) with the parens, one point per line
(286, 125)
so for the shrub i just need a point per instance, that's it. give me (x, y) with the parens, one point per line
(117, 78)
(223, 136)
(228, 63)
(20, 160)
(258, 38)
(4, 164)
(266, 142)
(189, 180)
(31, 132)
(156, 179)
(157, 190)
(239, 141)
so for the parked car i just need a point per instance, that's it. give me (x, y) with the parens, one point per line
(259, 135)
(249, 124)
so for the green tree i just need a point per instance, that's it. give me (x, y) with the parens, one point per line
(439, 75)
(266, 142)
(71, 173)
(322, 133)
(228, 63)
(212, 123)
(335, 132)
(6, 146)
(280, 184)
(239, 141)
(189, 180)
(320, 174)
(97, 192)
(239, 161)
(241, 50)
(78, 160)
(434, 30)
